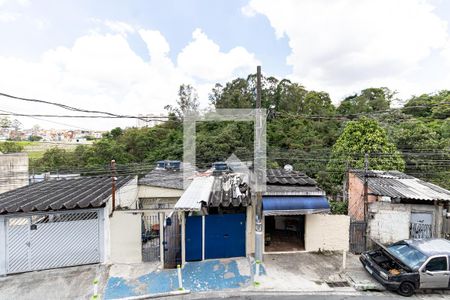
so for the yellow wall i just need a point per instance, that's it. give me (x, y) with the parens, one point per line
(156, 192)
(125, 237)
(327, 232)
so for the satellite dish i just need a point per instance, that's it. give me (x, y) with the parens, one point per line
(288, 168)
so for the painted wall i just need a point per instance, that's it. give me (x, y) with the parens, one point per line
(389, 223)
(125, 238)
(2, 245)
(158, 192)
(127, 195)
(13, 171)
(326, 232)
(250, 230)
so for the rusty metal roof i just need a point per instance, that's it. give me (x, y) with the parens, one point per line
(62, 194)
(398, 185)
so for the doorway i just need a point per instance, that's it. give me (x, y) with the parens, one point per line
(284, 233)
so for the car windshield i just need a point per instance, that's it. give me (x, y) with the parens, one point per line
(408, 255)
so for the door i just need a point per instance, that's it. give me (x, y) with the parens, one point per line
(193, 238)
(224, 236)
(421, 225)
(435, 273)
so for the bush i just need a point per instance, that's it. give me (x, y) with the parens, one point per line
(339, 207)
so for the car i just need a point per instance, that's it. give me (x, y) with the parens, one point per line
(409, 265)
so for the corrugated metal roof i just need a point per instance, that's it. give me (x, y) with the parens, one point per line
(395, 184)
(84, 192)
(197, 193)
(230, 189)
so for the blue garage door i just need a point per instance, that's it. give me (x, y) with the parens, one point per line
(224, 236)
(193, 238)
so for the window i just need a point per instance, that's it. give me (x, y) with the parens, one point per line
(410, 256)
(437, 264)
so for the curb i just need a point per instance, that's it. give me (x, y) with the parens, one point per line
(157, 295)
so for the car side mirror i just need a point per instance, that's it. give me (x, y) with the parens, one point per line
(429, 273)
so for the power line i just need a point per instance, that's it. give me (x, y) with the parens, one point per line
(71, 108)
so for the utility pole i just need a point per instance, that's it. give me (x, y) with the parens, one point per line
(258, 224)
(113, 186)
(366, 196)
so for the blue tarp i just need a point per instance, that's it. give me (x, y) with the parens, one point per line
(297, 205)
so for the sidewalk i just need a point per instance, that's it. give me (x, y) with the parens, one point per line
(303, 272)
(211, 275)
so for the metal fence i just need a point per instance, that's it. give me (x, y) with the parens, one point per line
(357, 237)
(420, 231)
(150, 237)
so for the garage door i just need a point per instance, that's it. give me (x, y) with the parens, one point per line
(224, 236)
(45, 241)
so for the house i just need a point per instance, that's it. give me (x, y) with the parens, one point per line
(68, 222)
(162, 187)
(217, 216)
(399, 206)
(296, 215)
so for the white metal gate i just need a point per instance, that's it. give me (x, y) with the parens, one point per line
(52, 240)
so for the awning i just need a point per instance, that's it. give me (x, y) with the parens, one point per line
(279, 206)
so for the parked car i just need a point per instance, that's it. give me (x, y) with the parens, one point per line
(409, 265)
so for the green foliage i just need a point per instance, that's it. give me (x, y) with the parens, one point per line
(10, 147)
(358, 138)
(339, 207)
(369, 100)
(292, 137)
(34, 138)
(436, 106)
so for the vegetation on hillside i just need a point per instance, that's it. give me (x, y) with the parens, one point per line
(304, 129)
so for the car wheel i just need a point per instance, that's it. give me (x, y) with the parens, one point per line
(406, 289)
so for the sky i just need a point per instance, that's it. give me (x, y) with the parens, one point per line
(130, 57)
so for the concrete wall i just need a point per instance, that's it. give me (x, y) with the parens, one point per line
(327, 232)
(127, 195)
(250, 230)
(2, 245)
(356, 197)
(158, 192)
(125, 238)
(390, 222)
(13, 171)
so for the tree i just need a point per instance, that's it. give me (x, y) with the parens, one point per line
(10, 147)
(34, 138)
(358, 138)
(429, 105)
(5, 122)
(187, 101)
(369, 100)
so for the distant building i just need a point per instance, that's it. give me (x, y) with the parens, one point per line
(13, 171)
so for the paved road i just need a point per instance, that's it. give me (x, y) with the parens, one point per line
(326, 296)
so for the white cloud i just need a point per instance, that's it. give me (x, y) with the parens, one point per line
(203, 59)
(102, 72)
(341, 45)
(8, 17)
(248, 11)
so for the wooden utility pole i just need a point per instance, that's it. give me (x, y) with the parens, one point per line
(113, 186)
